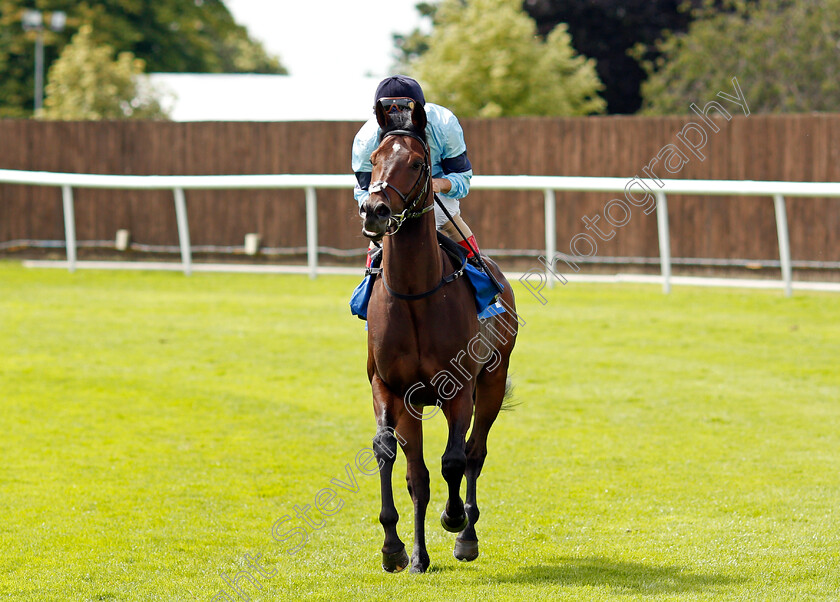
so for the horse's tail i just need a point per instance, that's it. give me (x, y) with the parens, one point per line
(509, 402)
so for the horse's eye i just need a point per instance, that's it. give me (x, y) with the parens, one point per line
(416, 165)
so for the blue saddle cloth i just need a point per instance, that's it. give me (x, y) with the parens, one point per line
(360, 297)
(485, 292)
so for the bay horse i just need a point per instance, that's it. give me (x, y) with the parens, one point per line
(423, 331)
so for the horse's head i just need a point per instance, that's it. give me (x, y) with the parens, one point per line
(401, 176)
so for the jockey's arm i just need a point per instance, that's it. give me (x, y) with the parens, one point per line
(360, 191)
(441, 185)
(364, 144)
(454, 181)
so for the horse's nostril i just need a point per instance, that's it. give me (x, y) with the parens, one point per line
(382, 211)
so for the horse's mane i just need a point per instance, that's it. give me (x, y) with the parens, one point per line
(401, 121)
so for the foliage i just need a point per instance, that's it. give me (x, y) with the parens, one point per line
(192, 36)
(178, 36)
(410, 46)
(87, 83)
(680, 447)
(601, 29)
(784, 54)
(606, 29)
(485, 60)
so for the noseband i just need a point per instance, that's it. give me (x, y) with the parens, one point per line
(409, 201)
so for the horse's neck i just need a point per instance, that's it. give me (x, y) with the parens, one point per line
(411, 259)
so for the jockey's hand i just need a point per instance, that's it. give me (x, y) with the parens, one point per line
(441, 185)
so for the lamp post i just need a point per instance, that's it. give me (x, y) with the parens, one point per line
(33, 20)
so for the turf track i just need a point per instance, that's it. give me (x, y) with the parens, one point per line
(154, 427)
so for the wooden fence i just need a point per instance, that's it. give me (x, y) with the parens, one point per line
(760, 147)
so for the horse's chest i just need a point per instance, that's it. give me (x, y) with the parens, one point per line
(406, 356)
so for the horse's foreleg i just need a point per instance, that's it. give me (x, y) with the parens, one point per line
(417, 478)
(458, 412)
(394, 558)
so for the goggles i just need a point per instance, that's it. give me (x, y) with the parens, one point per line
(395, 105)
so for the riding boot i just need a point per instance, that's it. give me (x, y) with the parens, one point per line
(470, 255)
(369, 256)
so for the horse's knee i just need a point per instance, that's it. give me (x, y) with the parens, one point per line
(476, 451)
(418, 486)
(453, 466)
(419, 495)
(417, 477)
(475, 462)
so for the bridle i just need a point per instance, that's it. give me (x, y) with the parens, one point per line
(409, 203)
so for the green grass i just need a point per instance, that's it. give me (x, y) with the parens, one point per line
(681, 447)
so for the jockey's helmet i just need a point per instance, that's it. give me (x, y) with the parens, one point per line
(397, 91)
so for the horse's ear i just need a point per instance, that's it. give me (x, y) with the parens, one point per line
(381, 116)
(418, 117)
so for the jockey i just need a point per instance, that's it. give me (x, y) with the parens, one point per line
(451, 169)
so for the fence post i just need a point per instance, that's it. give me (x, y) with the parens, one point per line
(784, 243)
(550, 234)
(69, 226)
(312, 231)
(664, 240)
(183, 230)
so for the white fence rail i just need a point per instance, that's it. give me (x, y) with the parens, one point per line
(777, 191)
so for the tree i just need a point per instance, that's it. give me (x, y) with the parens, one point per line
(177, 36)
(607, 29)
(410, 46)
(784, 54)
(196, 36)
(87, 83)
(485, 60)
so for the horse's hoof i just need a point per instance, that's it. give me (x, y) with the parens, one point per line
(465, 551)
(450, 525)
(395, 562)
